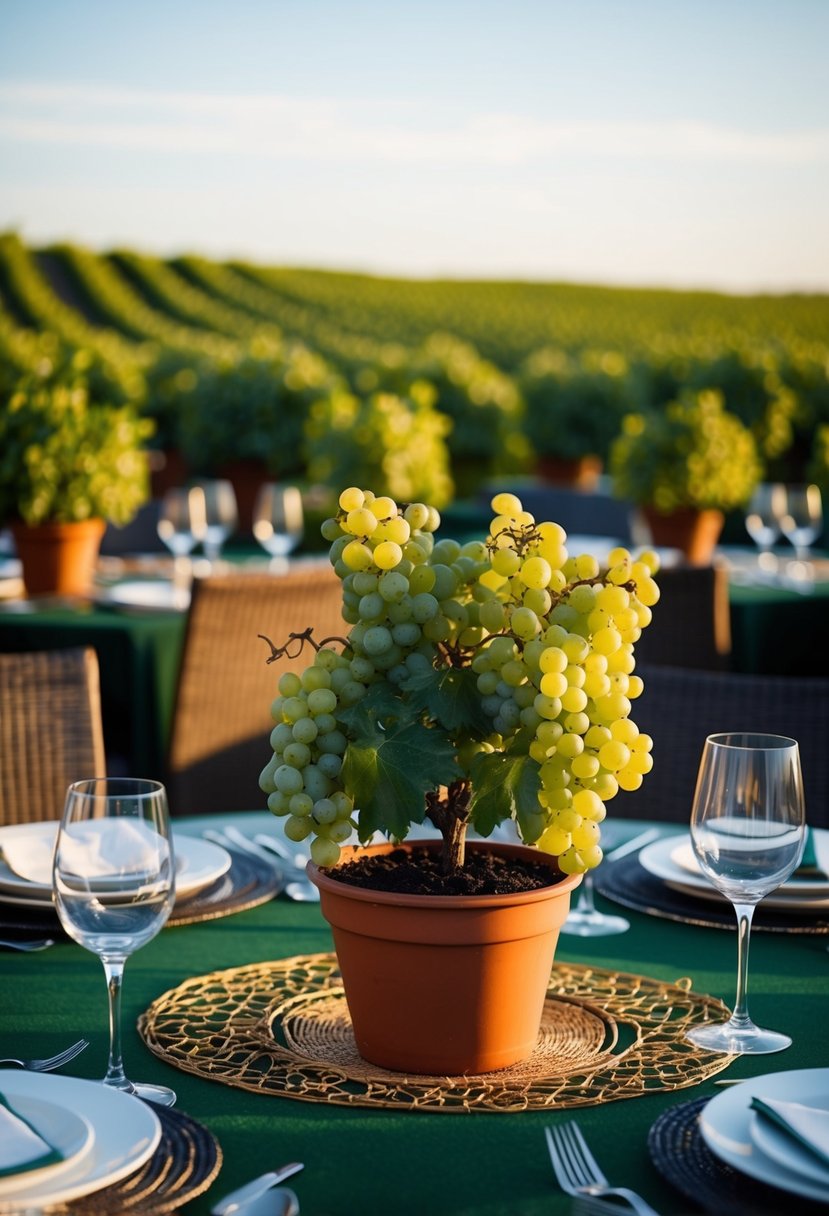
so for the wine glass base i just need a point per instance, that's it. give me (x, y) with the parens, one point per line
(594, 924)
(738, 1040)
(159, 1094)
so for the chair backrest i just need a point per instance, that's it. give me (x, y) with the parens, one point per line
(691, 624)
(680, 708)
(222, 724)
(51, 732)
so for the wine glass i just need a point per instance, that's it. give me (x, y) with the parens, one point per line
(114, 884)
(585, 919)
(748, 832)
(764, 521)
(802, 519)
(221, 516)
(181, 525)
(278, 521)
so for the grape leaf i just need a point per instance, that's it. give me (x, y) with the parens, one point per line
(503, 787)
(450, 697)
(389, 766)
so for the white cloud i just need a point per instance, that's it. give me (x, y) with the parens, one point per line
(274, 126)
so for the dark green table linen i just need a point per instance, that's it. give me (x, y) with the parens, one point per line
(364, 1162)
(138, 656)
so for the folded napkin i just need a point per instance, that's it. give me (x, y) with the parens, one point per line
(21, 1145)
(99, 845)
(808, 1125)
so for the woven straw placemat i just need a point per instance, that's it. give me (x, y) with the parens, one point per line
(283, 1028)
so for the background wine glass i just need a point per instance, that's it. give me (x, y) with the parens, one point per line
(585, 919)
(748, 832)
(764, 521)
(114, 884)
(278, 522)
(221, 516)
(802, 519)
(181, 525)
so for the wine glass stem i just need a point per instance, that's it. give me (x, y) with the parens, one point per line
(114, 972)
(586, 903)
(745, 913)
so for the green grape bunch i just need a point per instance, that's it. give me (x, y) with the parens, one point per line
(477, 683)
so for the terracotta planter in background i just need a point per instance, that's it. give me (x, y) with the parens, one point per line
(694, 532)
(58, 558)
(445, 984)
(581, 473)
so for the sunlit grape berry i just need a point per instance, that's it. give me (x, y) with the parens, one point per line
(324, 853)
(351, 499)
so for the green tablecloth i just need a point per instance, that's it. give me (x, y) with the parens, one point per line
(138, 655)
(366, 1162)
(779, 632)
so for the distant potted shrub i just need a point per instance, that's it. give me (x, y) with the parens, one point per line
(685, 465)
(573, 412)
(68, 466)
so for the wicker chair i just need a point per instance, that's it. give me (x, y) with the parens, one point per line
(222, 723)
(680, 708)
(50, 730)
(691, 625)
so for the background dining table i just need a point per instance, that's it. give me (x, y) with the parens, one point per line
(367, 1161)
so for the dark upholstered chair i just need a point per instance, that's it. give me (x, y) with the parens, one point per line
(691, 625)
(680, 708)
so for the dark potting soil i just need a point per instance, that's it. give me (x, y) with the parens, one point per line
(417, 872)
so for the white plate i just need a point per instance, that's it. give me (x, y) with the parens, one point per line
(154, 594)
(657, 859)
(66, 1130)
(126, 1134)
(726, 1123)
(785, 1150)
(684, 857)
(198, 863)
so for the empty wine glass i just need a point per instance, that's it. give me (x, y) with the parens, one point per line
(802, 519)
(764, 521)
(114, 884)
(278, 522)
(181, 525)
(221, 516)
(585, 919)
(748, 832)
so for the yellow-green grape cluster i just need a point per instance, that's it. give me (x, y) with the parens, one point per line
(302, 778)
(562, 665)
(402, 592)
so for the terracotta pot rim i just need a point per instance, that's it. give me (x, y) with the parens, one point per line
(566, 882)
(94, 523)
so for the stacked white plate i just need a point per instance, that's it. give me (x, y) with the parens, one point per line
(672, 859)
(26, 861)
(146, 595)
(103, 1135)
(753, 1145)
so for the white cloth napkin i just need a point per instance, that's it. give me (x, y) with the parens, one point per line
(21, 1145)
(808, 1125)
(102, 844)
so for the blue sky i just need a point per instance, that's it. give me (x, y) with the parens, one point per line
(675, 142)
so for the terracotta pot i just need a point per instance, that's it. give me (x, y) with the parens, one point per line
(582, 473)
(445, 984)
(694, 532)
(58, 558)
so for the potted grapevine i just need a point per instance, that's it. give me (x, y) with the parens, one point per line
(477, 684)
(68, 464)
(685, 465)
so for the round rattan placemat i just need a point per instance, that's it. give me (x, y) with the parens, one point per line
(186, 1162)
(283, 1028)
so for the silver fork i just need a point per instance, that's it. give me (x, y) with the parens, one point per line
(578, 1173)
(297, 885)
(51, 1062)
